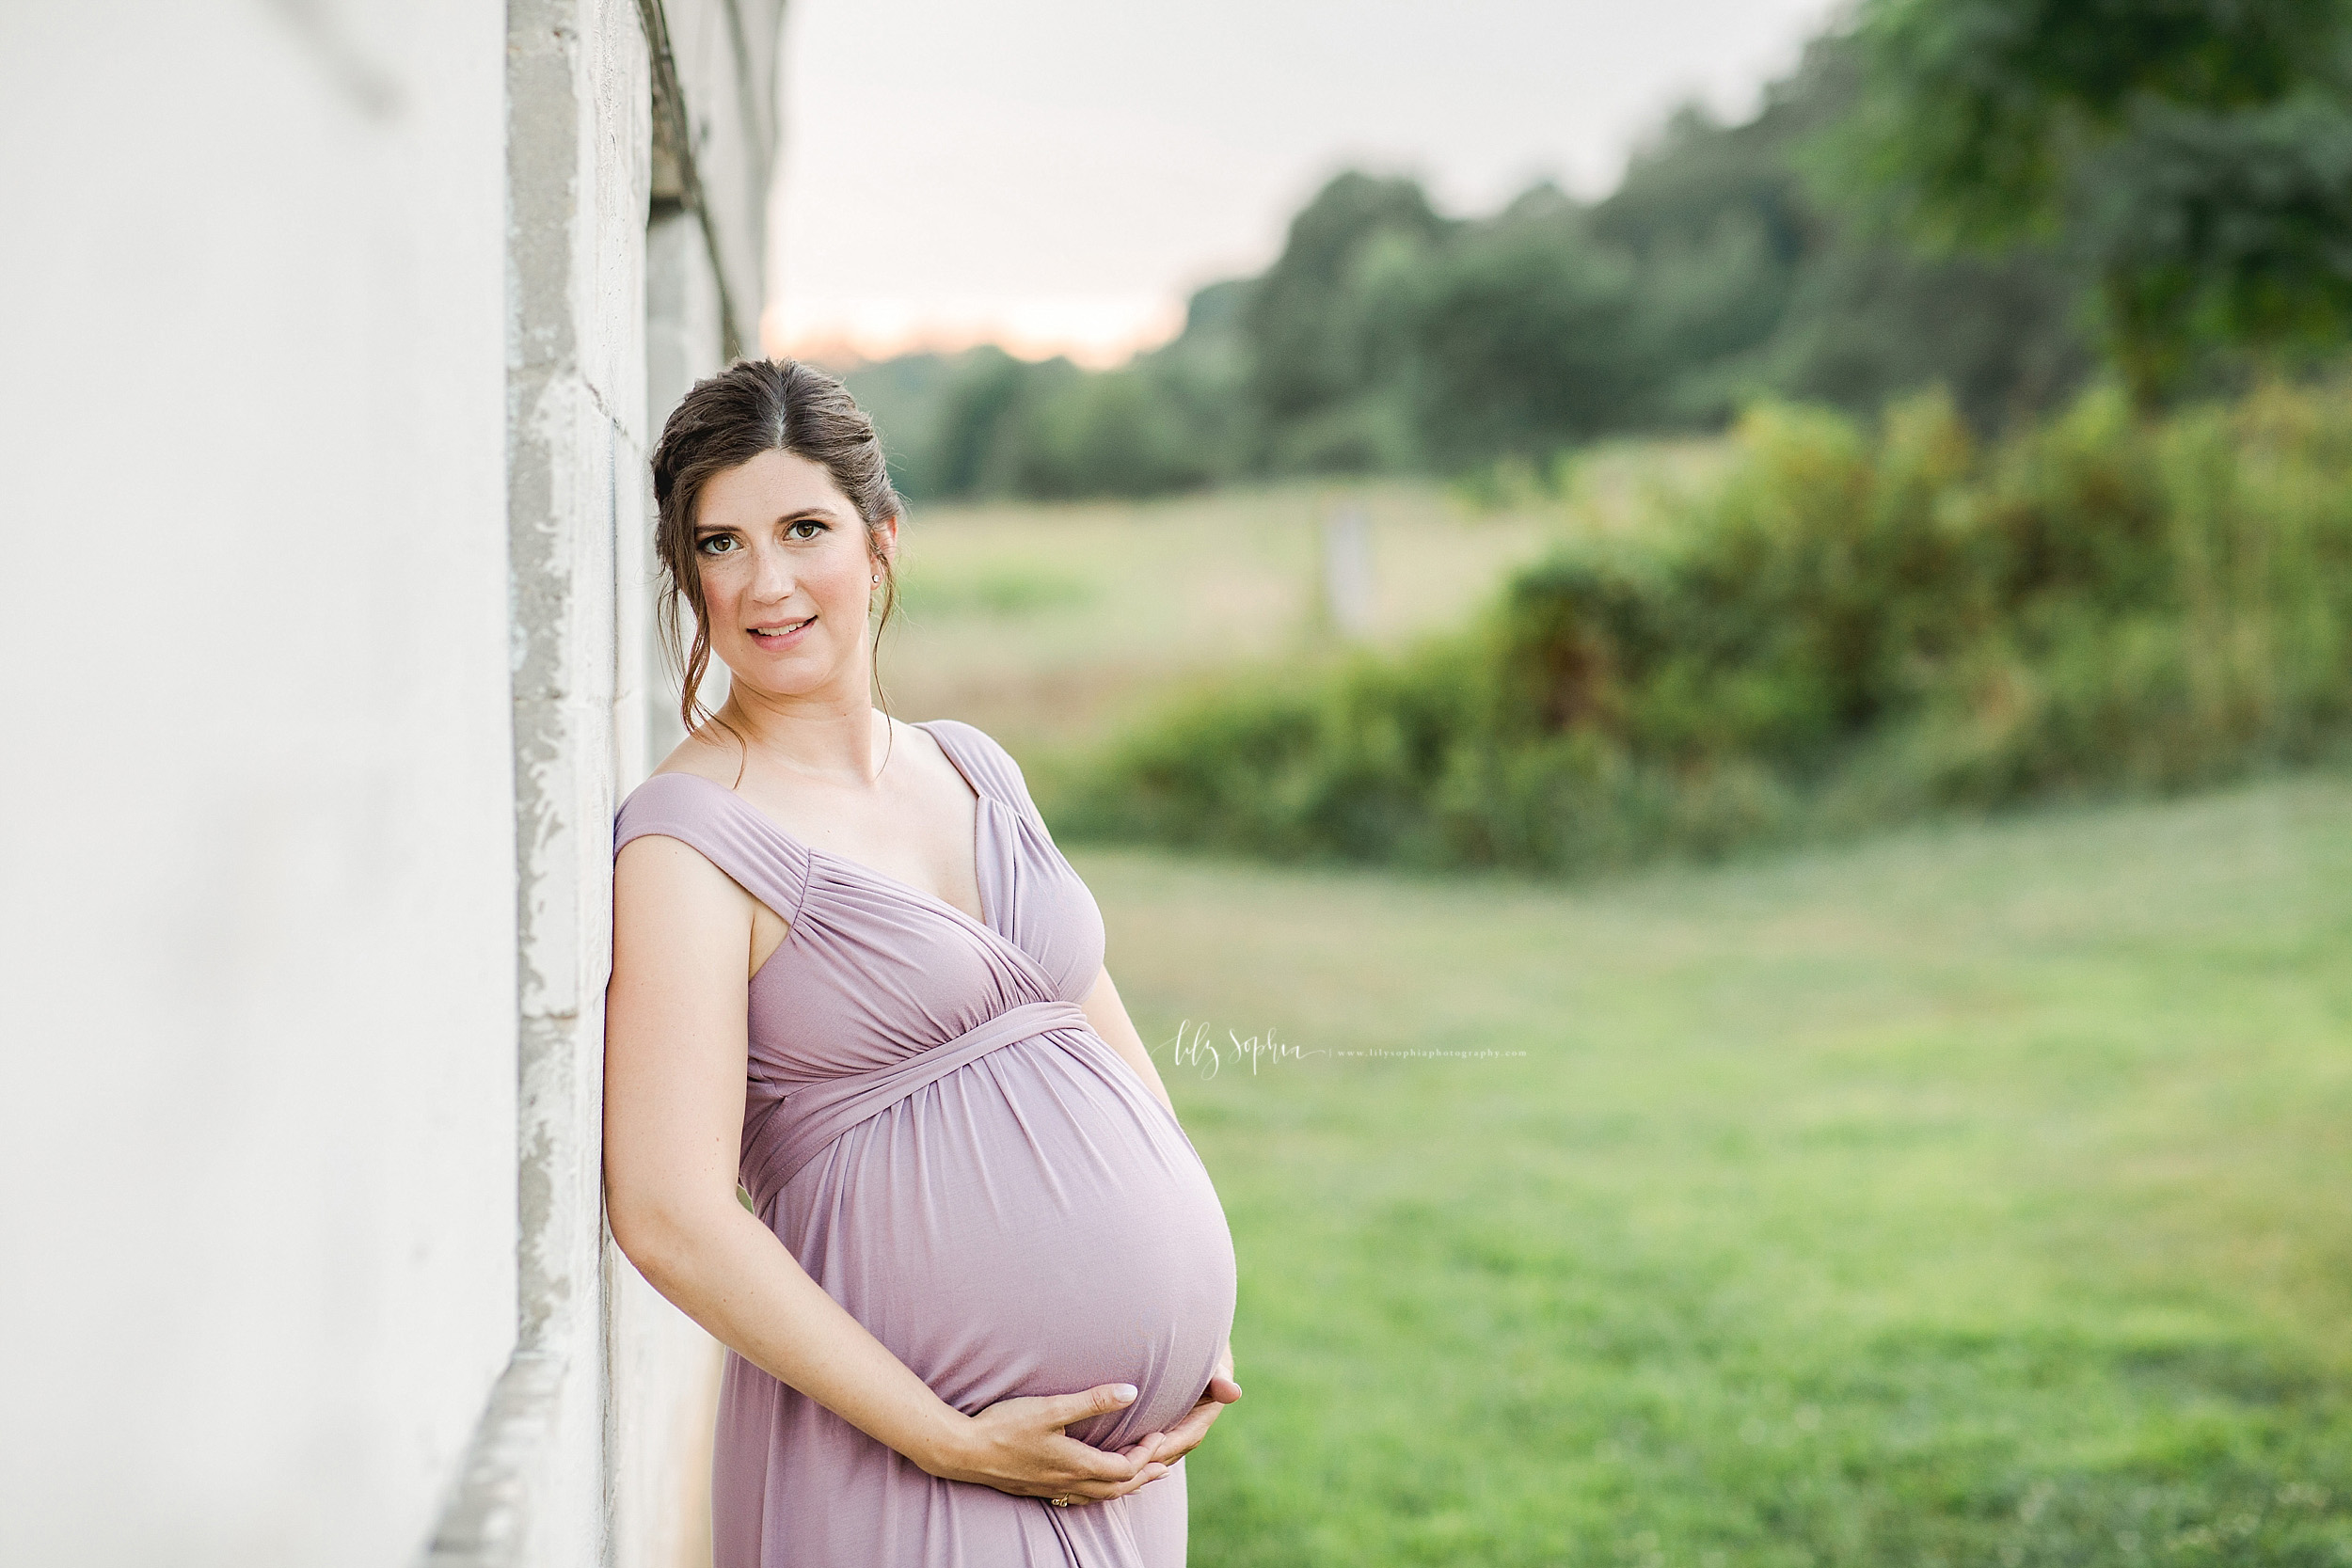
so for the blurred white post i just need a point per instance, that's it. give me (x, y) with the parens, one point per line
(1349, 593)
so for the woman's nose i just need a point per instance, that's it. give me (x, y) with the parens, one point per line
(771, 574)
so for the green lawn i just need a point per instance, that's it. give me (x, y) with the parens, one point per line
(1975, 1195)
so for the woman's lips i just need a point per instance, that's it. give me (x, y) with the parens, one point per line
(785, 636)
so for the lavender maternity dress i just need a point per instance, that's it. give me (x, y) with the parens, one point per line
(943, 1142)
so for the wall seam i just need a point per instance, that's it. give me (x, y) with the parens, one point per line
(674, 133)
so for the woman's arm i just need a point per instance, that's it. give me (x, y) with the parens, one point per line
(675, 1032)
(1108, 1015)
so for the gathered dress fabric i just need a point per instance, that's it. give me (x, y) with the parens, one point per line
(938, 1134)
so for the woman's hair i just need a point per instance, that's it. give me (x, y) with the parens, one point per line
(752, 406)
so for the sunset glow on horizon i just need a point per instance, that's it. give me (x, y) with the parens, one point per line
(1096, 332)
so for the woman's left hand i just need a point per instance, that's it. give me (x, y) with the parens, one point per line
(1165, 1448)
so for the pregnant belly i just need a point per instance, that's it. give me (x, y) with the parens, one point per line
(1034, 1222)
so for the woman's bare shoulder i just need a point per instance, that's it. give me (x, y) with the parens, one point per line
(706, 756)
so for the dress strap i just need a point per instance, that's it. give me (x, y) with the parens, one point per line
(984, 761)
(728, 830)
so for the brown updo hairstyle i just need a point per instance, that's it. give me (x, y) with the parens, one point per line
(752, 406)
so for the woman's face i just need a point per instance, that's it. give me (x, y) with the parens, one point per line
(785, 575)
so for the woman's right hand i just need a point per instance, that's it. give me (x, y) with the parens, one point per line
(1018, 1445)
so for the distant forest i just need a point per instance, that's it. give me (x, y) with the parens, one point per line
(1871, 612)
(1388, 337)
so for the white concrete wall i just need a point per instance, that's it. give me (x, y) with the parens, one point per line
(682, 334)
(590, 309)
(322, 662)
(257, 971)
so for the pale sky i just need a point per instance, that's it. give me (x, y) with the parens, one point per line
(1058, 175)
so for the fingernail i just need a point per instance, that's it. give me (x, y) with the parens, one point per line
(1126, 1391)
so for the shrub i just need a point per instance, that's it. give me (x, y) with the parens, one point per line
(1849, 626)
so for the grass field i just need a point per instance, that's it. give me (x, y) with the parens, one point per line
(1976, 1196)
(1044, 624)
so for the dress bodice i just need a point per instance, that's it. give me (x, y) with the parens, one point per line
(872, 968)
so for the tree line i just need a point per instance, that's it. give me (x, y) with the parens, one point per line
(2001, 198)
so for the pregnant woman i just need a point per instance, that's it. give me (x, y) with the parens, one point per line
(978, 1307)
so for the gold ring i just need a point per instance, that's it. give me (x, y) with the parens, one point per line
(1059, 1502)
